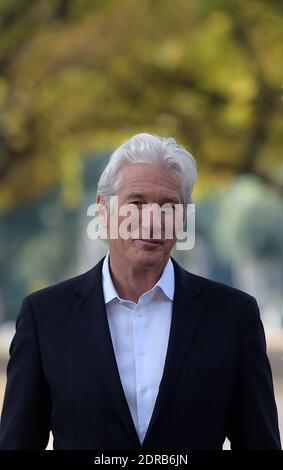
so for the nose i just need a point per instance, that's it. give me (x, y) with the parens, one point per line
(151, 221)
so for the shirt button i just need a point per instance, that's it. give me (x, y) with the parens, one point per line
(141, 351)
(139, 314)
(143, 389)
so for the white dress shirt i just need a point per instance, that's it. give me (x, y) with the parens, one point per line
(140, 333)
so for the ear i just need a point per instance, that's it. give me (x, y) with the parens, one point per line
(99, 199)
(102, 210)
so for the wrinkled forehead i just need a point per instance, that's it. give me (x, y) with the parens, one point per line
(146, 180)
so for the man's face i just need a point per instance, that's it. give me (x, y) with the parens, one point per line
(145, 184)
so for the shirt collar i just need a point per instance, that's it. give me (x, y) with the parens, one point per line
(166, 281)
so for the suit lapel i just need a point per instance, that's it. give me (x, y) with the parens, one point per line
(91, 315)
(186, 317)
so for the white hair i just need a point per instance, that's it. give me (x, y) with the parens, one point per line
(149, 149)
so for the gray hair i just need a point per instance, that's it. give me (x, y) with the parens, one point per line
(150, 149)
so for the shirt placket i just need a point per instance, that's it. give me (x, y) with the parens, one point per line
(142, 386)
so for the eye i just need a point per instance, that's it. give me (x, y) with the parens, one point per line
(169, 207)
(137, 203)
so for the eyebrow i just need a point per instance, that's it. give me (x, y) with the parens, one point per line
(142, 196)
(135, 196)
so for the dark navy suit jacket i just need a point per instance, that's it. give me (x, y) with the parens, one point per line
(63, 376)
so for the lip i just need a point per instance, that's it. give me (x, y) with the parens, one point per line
(144, 241)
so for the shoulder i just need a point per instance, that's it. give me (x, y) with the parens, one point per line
(214, 295)
(220, 289)
(55, 290)
(66, 291)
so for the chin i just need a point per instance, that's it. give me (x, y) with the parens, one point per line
(148, 258)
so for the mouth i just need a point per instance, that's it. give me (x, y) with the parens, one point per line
(148, 242)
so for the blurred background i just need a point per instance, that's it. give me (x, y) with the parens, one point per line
(79, 77)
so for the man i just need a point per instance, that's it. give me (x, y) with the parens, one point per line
(137, 353)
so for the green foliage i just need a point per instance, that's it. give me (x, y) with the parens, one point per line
(81, 75)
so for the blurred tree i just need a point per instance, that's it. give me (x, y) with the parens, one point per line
(83, 75)
(248, 222)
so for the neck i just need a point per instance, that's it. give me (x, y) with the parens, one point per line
(130, 282)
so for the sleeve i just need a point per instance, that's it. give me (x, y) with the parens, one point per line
(254, 422)
(25, 420)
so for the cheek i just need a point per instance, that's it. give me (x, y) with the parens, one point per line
(179, 222)
(128, 227)
(170, 243)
